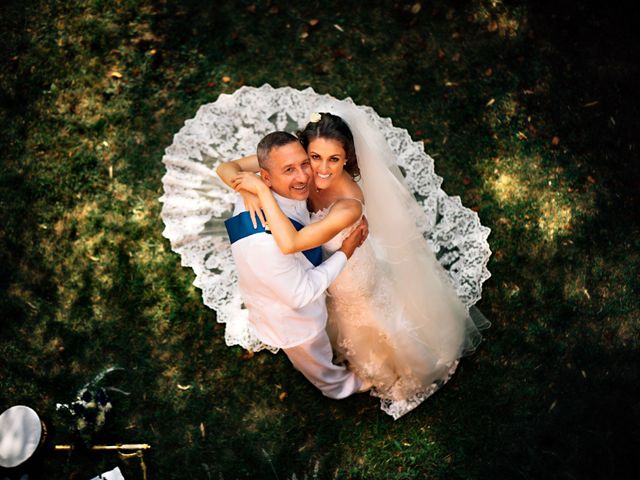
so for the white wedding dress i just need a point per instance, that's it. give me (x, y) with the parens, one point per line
(372, 322)
(367, 330)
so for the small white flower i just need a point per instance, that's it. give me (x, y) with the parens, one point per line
(315, 117)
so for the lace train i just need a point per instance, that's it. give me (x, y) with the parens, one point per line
(195, 201)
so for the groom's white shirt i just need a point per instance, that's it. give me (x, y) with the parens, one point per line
(285, 294)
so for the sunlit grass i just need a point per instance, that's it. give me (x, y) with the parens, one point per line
(96, 92)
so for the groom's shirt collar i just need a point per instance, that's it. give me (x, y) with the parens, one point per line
(291, 207)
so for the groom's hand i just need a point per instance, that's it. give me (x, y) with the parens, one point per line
(353, 241)
(365, 229)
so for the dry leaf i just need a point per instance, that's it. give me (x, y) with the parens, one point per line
(590, 179)
(493, 26)
(184, 387)
(247, 355)
(313, 22)
(202, 432)
(417, 87)
(490, 102)
(115, 74)
(282, 396)
(555, 141)
(450, 84)
(152, 52)
(304, 35)
(488, 72)
(338, 27)
(415, 8)
(226, 79)
(521, 135)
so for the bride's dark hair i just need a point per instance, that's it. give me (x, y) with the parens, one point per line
(332, 127)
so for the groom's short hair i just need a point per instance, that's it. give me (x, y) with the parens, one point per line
(271, 141)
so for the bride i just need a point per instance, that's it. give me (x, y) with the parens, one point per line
(394, 314)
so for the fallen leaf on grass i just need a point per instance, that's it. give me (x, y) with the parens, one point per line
(282, 396)
(415, 8)
(226, 79)
(313, 22)
(493, 26)
(555, 141)
(184, 387)
(490, 102)
(521, 135)
(417, 87)
(202, 432)
(114, 74)
(247, 355)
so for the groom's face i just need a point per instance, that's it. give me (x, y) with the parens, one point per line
(288, 171)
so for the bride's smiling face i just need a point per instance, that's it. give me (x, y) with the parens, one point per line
(327, 160)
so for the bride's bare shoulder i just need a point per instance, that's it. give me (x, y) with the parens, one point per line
(353, 191)
(351, 199)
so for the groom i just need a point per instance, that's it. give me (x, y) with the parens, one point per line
(285, 294)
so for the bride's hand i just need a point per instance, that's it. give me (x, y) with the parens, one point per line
(247, 181)
(254, 207)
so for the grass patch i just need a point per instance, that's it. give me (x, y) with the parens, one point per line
(529, 116)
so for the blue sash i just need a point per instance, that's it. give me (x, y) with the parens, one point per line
(240, 226)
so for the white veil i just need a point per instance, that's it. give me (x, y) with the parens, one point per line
(433, 312)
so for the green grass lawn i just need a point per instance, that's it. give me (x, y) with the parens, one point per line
(531, 113)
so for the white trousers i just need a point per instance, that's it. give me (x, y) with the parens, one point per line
(314, 360)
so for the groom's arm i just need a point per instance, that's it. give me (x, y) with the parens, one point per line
(285, 276)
